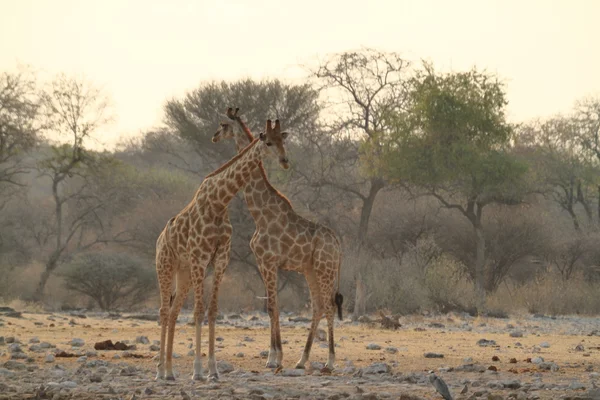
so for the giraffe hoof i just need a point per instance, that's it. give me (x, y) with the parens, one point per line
(272, 364)
(213, 377)
(198, 377)
(170, 378)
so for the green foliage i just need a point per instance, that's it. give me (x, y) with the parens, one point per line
(453, 137)
(110, 279)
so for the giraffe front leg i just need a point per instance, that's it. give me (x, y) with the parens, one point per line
(198, 269)
(164, 272)
(220, 264)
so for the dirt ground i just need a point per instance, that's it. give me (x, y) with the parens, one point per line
(532, 357)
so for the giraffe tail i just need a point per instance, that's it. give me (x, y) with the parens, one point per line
(339, 299)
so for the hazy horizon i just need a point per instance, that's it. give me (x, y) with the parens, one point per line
(142, 53)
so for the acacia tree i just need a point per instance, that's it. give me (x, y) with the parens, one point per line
(18, 128)
(81, 186)
(362, 87)
(565, 171)
(587, 115)
(453, 145)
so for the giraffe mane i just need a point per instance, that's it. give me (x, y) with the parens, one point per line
(234, 159)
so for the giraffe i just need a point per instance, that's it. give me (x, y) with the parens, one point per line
(285, 240)
(199, 235)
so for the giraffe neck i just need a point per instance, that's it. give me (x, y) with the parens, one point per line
(259, 193)
(235, 174)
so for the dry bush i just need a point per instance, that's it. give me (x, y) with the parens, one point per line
(550, 294)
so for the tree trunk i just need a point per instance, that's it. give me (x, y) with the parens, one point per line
(360, 303)
(480, 269)
(38, 296)
(365, 214)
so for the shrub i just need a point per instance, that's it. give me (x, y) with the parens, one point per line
(110, 279)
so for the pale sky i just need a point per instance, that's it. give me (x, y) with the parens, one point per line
(144, 52)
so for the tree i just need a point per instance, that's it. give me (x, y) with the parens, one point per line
(364, 86)
(587, 115)
(18, 128)
(110, 279)
(452, 144)
(565, 171)
(79, 179)
(196, 116)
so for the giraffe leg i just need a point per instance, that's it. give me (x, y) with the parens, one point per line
(269, 275)
(315, 295)
(220, 262)
(165, 270)
(198, 269)
(183, 286)
(326, 281)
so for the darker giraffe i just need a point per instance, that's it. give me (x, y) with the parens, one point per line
(285, 240)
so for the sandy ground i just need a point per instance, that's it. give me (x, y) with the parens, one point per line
(554, 358)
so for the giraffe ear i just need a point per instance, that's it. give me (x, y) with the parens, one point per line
(262, 136)
(284, 134)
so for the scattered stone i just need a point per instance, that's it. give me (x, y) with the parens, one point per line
(391, 350)
(321, 335)
(579, 347)
(6, 373)
(495, 358)
(376, 368)
(514, 384)
(191, 353)
(154, 347)
(14, 348)
(433, 355)
(264, 354)
(13, 314)
(492, 368)
(142, 340)
(436, 325)
(373, 346)
(577, 386)
(537, 360)
(49, 358)
(76, 342)
(544, 345)
(14, 365)
(220, 339)
(1, 340)
(95, 378)
(108, 345)
(64, 354)
(486, 343)
(143, 317)
(34, 340)
(248, 339)
(68, 384)
(513, 360)
(10, 339)
(548, 366)
(234, 316)
(224, 367)
(363, 319)
(516, 334)
(292, 372)
(240, 355)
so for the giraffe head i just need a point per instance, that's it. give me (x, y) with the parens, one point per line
(232, 126)
(228, 128)
(273, 138)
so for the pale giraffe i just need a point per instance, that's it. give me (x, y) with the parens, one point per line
(285, 240)
(201, 234)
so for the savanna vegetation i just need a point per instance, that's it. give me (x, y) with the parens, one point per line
(441, 202)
